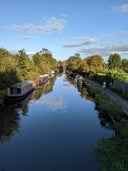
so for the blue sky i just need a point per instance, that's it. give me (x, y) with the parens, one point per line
(65, 27)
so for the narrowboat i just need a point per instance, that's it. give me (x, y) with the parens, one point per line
(79, 80)
(20, 90)
(44, 78)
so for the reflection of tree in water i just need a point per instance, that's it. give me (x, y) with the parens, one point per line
(9, 124)
(81, 89)
(45, 89)
(23, 109)
(105, 121)
(22, 106)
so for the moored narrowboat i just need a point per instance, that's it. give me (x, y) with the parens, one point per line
(44, 78)
(20, 90)
(79, 80)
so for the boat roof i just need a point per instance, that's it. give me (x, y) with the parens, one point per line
(21, 84)
(44, 75)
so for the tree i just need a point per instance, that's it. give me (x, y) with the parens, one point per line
(95, 63)
(8, 65)
(44, 61)
(74, 62)
(114, 61)
(25, 66)
(124, 65)
(84, 66)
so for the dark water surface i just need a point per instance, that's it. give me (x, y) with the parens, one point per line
(55, 131)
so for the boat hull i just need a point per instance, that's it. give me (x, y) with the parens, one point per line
(19, 102)
(19, 97)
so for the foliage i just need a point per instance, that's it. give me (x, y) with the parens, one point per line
(113, 152)
(104, 104)
(44, 61)
(2, 95)
(124, 65)
(118, 74)
(25, 66)
(114, 61)
(92, 64)
(18, 67)
(74, 63)
(95, 63)
(92, 90)
(100, 77)
(108, 107)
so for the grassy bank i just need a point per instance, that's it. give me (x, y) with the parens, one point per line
(111, 152)
(104, 104)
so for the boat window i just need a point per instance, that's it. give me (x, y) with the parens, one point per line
(11, 90)
(18, 90)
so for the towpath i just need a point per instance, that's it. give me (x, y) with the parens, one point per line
(122, 102)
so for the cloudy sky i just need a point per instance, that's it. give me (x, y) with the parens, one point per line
(65, 27)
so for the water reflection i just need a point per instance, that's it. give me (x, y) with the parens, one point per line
(105, 121)
(9, 124)
(81, 89)
(45, 89)
(53, 103)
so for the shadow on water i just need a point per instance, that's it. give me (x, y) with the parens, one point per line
(9, 124)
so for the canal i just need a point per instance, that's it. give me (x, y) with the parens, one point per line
(55, 130)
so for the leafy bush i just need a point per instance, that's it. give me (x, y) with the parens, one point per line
(104, 103)
(2, 97)
(92, 90)
(113, 152)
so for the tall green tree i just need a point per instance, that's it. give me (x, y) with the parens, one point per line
(45, 61)
(114, 61)
(8, 65)
(25, 66)
(124, 65)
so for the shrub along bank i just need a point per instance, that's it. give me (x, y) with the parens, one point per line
(105, 104)
(111, 152)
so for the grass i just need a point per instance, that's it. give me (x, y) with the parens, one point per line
(113, 152)
(104, 103)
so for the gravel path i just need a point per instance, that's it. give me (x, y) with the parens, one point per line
(122, 102)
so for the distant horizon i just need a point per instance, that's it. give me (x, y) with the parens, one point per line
(65, 27)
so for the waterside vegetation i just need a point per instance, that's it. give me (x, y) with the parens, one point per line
(105, 104)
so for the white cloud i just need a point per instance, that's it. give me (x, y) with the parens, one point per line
(53, 103)
(107, 49)
(49, 26)
(116, 34)
(80, 42)
(121, 8)
(24, 37)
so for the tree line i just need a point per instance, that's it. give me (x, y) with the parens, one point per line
(115, 66)
(19, 67)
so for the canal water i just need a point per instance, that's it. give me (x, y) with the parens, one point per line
(55, 129)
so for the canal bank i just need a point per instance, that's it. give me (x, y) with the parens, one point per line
(122, 102)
